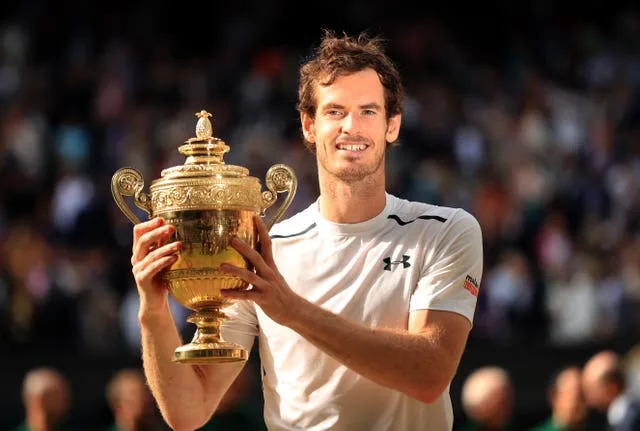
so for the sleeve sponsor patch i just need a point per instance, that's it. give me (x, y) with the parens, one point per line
(471, 285)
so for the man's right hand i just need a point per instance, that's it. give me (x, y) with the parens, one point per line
(150, 256)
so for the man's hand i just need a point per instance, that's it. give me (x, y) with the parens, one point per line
(268, 288)
(150, 256)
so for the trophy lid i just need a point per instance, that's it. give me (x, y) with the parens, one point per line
(204, 181)
(204, 154)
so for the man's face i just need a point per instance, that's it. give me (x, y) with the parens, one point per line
(350, 128)
(56, 402)
(134, 402)
(569, 408)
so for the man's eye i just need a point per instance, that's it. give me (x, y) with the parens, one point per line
(334, 113)
(369, 112)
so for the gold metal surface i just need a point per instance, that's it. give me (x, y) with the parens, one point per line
(209, 203)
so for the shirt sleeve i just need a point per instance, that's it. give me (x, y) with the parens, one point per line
(451, 277)
(241, 325)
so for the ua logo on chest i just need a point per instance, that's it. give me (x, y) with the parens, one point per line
(389, 264)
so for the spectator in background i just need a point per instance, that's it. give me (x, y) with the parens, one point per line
(46, 398)
(624, 412)
(568, 409)
(602, 383)
(509, 296)
(130, 402)
(572, 303)
(487, 400)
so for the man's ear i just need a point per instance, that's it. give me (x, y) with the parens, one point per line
(308, 128)
(393, 128)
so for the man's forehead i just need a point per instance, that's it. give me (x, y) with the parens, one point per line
(358, 88)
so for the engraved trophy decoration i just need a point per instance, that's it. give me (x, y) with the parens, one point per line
(208, 202)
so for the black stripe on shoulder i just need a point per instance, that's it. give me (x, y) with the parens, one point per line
(295, 234)
(424, 217)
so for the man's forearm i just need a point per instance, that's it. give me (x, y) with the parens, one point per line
(413, 363)
(177, 388)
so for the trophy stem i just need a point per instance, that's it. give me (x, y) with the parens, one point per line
(208, 323)
(207, 346)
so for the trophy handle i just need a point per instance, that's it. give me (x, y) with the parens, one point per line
(280, 178)
(129, 182)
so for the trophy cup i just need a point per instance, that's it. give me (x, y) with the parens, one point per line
(208, 202)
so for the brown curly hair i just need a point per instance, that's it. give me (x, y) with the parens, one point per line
(338, 56)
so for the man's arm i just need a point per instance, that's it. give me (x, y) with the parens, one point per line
(419, 361)
(186, 395)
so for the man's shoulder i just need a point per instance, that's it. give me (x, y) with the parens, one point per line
(295, 225)
(406, 211)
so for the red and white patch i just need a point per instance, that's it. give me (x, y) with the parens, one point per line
(471, 285)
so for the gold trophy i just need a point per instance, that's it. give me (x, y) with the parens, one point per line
(208, 202)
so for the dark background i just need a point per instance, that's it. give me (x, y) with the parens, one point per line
(524, 113)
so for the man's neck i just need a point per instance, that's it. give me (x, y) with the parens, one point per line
(37, 421)
(352, 202)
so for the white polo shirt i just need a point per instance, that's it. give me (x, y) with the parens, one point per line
(412, 256)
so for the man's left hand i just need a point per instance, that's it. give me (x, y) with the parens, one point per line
(268, 288)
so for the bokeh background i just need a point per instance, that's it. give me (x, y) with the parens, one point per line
(527, 114)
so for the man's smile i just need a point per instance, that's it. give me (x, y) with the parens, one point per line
(352, 147)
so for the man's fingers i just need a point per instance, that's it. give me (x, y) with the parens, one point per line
(265, 241)
(165, 250)
(252, 256)
(247, 294)
(151, 238)
(144, 227)
(151, 270)
(249, 276)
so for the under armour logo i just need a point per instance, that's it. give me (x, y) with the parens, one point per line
(388, 262)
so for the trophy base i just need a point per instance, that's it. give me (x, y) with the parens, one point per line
(210, 353)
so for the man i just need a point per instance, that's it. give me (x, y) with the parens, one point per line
(487, 399)
(45, 395)
(362, 302)
(602, 383)
(605, 391)
(568, 409)
(130, 401)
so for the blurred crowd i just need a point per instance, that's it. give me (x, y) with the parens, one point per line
(601, 394)
(47, 397)
(537, 135)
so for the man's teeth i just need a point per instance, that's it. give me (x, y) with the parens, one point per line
(360, 147)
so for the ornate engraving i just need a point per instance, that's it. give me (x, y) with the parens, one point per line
(201, 170)
(129, 182)
(280, 178)
(195, 274)
(268, 198)
(201, 196)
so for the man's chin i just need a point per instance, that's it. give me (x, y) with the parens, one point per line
(352, 175)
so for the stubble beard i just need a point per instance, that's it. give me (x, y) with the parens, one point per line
(351, 174)
(362, 180)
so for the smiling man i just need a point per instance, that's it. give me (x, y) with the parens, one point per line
(362, 303)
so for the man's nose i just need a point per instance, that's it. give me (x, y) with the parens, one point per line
(350, 124)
